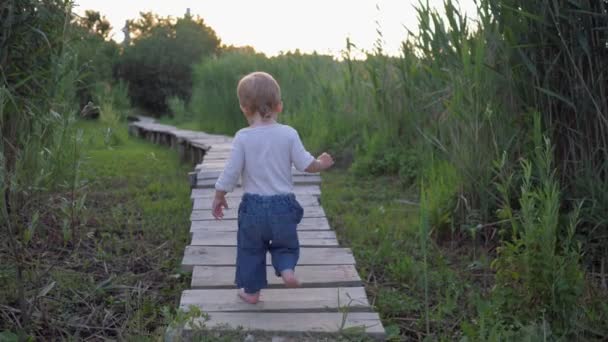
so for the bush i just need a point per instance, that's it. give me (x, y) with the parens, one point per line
(538, 269)
(158, 63)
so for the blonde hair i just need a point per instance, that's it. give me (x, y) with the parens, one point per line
(259, 92)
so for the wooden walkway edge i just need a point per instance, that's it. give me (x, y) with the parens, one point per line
(332, 299)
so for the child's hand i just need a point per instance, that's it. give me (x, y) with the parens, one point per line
(219, 203)
(325, 161)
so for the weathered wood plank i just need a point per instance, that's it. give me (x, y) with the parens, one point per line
(309, 276)
(154, 127)
(231, 213)
(203, 203)
(214, 174)
(215, 158)
(186, 134)
(322, 323)
(312, 223)
(211, 142)
(225, 146)
(308, 238)
(297, 180)
(226, 256)
(238, 192)
(352, 299)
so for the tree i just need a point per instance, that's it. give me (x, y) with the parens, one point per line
(95, 23)
(96, 53)
(158, 63)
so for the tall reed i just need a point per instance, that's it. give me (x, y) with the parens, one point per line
(39, 152)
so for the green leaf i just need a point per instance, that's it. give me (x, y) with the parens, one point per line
(557, 96)
(31, 228)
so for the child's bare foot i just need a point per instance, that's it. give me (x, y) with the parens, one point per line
(249, 298)
(289, 278)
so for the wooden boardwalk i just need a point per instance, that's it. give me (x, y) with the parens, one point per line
(332, 297)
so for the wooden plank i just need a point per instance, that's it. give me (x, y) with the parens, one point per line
(352, 299)
(212, 141)
(298, 180)
(231, 213)
(312, 223)
(201, 146)
(238, 192)
(203, 203)
(215, 158)
(309, 276)
(226, 146)
(185, 134)
(214, 174)
(143, 118)
(158, 128)
(226, 256)
(302, 324)
(308, 238)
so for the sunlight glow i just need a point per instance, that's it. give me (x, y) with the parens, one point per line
(274, 26)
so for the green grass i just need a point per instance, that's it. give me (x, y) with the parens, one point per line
(124, 268)
(145, 196)
(379, 219)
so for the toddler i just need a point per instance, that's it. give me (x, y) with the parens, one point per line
(263, 155)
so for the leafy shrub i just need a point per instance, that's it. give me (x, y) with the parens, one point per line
(114, 109)
(158, 63)
(538, 269)
(442, 183)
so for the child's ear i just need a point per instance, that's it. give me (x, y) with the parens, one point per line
(245, 111)
(279, 107)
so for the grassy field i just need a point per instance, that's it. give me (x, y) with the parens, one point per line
(121, 280)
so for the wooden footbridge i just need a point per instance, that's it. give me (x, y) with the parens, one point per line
(332, 299)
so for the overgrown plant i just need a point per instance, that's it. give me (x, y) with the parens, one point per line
(538, 267)
(39, 148)
(114, 108)
(558, 50)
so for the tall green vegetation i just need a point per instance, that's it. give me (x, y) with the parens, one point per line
(40, 148)
(96, 53)
(51, 62)
(157, 64)
(538, 268)
(560, 49)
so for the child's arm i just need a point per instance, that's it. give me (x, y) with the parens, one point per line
(219, 203)
(229, 178)
(304, 161)
(323, 162)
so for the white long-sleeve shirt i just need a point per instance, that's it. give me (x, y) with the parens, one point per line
(263, 157)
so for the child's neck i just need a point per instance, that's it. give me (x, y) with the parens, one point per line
(256, 120)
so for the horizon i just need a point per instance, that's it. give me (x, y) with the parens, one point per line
(327, 35)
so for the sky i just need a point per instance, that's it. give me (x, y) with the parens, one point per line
(275, 26)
